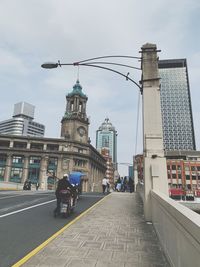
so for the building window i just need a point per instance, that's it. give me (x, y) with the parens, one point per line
(4, 143)
(36, 146)
(20, 145)
(53, 161)
(187, 177)
(173, 167)
(193, 168)
(18, 159)
(35, 160)
(16, 175)
(2, 172)
(3, 159)
(105, 141)
(33, 175)
(79, 162)
(52, 147)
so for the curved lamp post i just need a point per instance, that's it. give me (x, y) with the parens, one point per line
(98, 64)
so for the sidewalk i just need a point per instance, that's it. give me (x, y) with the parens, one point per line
(113, 233)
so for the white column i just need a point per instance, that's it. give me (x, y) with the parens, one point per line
(25, 169)
(155, 169)
(43, 173)
(8, 168)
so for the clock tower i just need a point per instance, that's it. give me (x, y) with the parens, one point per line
(74, 124)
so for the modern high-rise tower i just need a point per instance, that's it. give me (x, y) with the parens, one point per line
(106, 137)
(22, 122)
(178, 128)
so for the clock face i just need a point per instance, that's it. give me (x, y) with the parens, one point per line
(81, 130)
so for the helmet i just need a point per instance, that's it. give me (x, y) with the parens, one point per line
(66, 176)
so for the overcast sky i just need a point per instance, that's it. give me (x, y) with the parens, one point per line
(37, 31)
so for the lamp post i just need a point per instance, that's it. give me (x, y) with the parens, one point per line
(155, 172)
(98, 64)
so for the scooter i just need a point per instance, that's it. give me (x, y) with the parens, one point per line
(66, 206)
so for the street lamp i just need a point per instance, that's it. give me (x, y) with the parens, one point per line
(98, 64)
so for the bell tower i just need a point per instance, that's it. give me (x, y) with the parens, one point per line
(74, 124)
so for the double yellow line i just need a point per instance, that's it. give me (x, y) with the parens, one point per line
(45, 243)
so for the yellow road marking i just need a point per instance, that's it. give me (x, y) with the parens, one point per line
(46, 242)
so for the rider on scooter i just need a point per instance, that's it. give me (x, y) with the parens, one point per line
(64, 184)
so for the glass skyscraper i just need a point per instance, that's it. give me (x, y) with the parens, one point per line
(106, 137)
(178, 128)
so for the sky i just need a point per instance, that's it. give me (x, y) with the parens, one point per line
(37, 31)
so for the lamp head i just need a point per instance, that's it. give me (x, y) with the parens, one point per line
(49, 65)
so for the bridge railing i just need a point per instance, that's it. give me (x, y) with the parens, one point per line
(178, 229)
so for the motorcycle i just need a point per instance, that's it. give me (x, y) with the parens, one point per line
(67, 204)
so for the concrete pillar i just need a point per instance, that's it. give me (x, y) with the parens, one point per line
(43, 173)
(11, 144)
(155, 169)
(28, 145)
(25, 169)
(8, 168)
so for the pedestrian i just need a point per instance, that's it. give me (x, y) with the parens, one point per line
(108, 185)
(130, 183)
(125, 184)
(118, 186)
(104, 184)
(37, 185)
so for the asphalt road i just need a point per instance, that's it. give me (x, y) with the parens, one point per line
(26, 221)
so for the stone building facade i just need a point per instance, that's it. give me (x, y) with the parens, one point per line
(45, 160)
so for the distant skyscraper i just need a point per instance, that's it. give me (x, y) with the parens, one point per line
(106, 137)
(178, 128)
(22, 122)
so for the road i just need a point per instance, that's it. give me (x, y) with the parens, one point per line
(26, 221)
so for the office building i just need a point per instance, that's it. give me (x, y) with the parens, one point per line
(183, 171)
(106, 137)
(22, 122)
(178, 128)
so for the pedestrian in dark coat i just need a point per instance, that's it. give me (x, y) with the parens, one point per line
(130, 183)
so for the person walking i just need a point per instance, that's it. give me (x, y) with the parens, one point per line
(118, 184)
(130, 183)
(108, 185)
(104, 184)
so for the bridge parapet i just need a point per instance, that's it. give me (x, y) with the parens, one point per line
(178, 229)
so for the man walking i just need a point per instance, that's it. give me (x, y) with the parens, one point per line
(104, 184)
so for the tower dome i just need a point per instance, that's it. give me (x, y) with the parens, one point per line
(77, 90)
(107, 125)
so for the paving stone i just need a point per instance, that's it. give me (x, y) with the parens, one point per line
(99, 254)
(109, 264)
(81, 263)
(92, 244)
(74, 252)
(114, 233)
(114, 246)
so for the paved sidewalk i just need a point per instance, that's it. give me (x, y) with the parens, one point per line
(113, 233)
